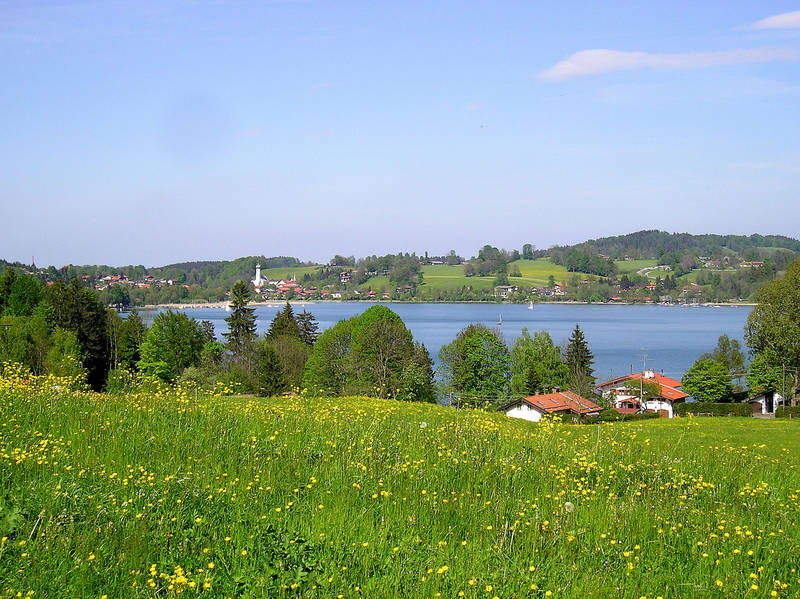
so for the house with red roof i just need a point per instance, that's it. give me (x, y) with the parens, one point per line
(621, 393)
(559, 402)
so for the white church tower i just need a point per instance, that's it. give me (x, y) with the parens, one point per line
(258, 282)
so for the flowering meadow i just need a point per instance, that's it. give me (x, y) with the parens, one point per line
(167, 491)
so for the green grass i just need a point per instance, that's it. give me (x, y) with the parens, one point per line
(139, 496)
(450, 278)
(535, 273)
(631, 266)
(286, 273)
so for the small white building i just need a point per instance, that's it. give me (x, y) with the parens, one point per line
(766, 402)
(258, 282)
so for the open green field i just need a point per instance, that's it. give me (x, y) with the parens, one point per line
(631, 266)
(535, 273)
(162, 494)
(289, 272)
(451, 278)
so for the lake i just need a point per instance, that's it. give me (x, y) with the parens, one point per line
(671, 337)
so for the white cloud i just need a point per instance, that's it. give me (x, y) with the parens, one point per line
(787, 20)
(598, 62)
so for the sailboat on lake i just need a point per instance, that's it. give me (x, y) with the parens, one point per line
(530, 306)
(500, 320)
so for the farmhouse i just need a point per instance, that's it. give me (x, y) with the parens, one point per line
(622, 394)
(559, 402)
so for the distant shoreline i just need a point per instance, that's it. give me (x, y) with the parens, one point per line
(197, 305)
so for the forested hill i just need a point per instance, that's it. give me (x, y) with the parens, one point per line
(653, 244)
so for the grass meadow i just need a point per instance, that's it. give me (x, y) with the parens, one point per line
(163, 493)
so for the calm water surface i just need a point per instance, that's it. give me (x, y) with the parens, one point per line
(671, 337)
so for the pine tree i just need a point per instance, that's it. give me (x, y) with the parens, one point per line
(269, 379)
(284, 323)
(241, 323)
(308, 326)
(578, 357)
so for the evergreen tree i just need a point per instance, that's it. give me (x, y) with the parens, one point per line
(241, 323)
(131, 336)
(308, 326)
(284, 323)
(76, 309)
(208, 330)
(268, 375)
(578, 357)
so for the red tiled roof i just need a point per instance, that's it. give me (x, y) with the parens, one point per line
(560, 401)
(627, 410)
(670, 388)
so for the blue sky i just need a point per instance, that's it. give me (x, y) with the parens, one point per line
(154, 132)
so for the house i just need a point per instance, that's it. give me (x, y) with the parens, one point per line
(559, 402)
(618, 392)
(766, 402)
(503, 291)
(345, 276)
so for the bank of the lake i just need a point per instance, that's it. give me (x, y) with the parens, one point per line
(670, 338)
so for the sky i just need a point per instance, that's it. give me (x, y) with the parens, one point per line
(152, 132)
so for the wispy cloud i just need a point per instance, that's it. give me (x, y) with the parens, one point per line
(598, 62)
(474, 106)
(786, 20)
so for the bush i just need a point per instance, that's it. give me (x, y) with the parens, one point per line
(713, 409)
(787, 412)
(611, 415)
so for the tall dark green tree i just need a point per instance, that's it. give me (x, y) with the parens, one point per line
(268, 377)
(284, 323)
(77, 309)
(241, 332)
(578, 357)
(131, 336)
(308, 327)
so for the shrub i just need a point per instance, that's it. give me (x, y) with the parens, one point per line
(714, 409)
(787, 412)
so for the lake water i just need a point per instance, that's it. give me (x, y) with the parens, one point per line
(671, 337)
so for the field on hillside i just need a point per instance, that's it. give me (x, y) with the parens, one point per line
(159, 493)
(450, 278)
(629, 266)
(535, 273)
(288, 272)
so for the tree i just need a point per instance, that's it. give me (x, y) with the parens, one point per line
(551, 281)
(24, 295)
(728, 353)
(327, 369)
(527, 251)
(173, 343)
(241, 332)
(536, 364)
(578, 357)
(76, 309)
(708, 381)
(284, 323)
(208, 330)
(292, 356)
(773, 327)
(131, 336)
(267, 372)
(64, 358)
(763, 376)
(416, 379)
(380, 347)
(309, 327)
(476, 365)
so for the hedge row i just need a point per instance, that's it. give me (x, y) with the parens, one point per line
(713, 409)
(787, 412)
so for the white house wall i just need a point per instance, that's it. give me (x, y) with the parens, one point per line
(525, 412)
